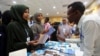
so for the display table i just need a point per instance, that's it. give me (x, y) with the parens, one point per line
(53, 48)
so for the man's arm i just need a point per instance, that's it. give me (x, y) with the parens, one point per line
(89, 29)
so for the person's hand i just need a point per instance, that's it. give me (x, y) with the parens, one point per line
(60, 38)
(66, 34)
(33, 43)
(44, 31)
(63, 39)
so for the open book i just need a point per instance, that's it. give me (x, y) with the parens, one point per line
(43, 38)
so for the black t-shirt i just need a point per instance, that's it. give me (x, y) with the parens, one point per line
(3, 39)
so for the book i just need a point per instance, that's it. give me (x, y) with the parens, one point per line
(51, 30)
(21, 52)
(42, 38)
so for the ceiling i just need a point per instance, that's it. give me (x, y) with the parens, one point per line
(44, 6)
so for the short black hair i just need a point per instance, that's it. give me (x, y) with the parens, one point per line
(77, 6)
(6, 17)
(47, 19)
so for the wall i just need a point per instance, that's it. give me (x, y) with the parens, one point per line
(55, 19)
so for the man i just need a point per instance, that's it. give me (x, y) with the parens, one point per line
(89, 28)
(64, 30)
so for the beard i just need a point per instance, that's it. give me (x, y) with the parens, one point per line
(71, 20)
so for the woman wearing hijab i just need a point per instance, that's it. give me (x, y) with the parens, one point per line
(37, 26)
(38, 29)
(19, 33)
(6, 19)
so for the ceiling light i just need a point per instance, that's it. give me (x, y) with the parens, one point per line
(40, 9)
(47, 14)
(54, 7)
(85, 3)
(57, 12)
(14, 2)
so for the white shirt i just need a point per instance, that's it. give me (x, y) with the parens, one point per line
(63, 29)
(90, 29)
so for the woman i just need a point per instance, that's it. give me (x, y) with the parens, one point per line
(6, 19)
(37, 27)
(47, 24)
(19, 33)
(48, 28)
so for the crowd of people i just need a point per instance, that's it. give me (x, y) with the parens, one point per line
(19, 31)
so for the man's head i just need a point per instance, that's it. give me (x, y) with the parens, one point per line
(65, 21)
(75, 11)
